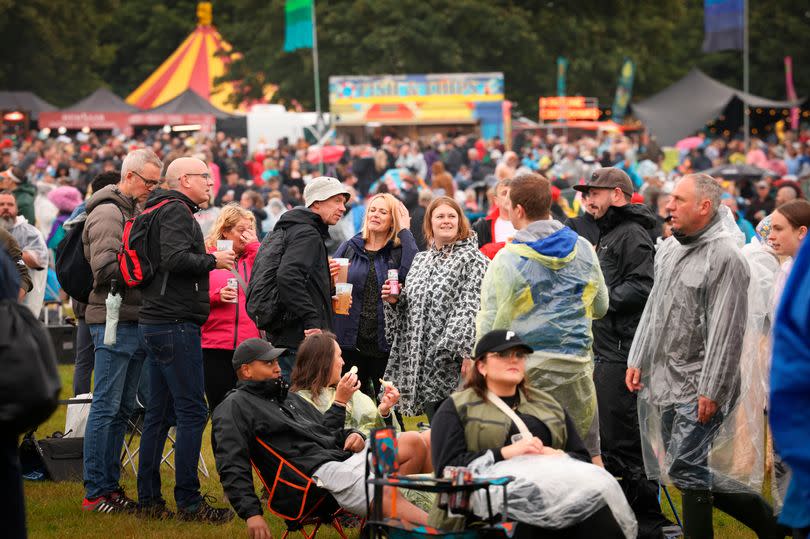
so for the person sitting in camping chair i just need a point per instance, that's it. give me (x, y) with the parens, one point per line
(260, 413)
(500, 426)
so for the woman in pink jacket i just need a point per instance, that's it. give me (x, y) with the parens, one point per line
(228, 324)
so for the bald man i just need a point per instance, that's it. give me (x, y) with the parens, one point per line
(786, 193)
(174, 305)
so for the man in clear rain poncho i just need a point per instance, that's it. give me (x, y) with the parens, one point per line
(547, 286)
(685, 362)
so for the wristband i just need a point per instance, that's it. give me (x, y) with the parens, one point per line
(341, 404)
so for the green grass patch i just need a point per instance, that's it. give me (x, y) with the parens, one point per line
(54, 509)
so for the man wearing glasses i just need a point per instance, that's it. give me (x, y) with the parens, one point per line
(175, 306)
(117, 367)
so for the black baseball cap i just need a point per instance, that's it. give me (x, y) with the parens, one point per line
(255, 350)
(608, 178)
(499, 340)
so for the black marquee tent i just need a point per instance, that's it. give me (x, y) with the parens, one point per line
(24, 102)
(687, 105)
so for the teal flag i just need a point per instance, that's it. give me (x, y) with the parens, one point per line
(624, 89)
(298, 31)
(562, 68)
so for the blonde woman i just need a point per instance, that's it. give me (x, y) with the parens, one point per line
(228, 324)
(384, 243)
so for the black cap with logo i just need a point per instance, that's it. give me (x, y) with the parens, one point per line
(499, 340)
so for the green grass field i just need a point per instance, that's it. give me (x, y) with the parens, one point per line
(54, 509)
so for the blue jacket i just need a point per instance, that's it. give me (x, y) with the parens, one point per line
(790, 389)
(346, 327)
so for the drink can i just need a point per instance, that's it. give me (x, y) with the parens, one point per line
(234, 284)
(393, 281)
(459, 501)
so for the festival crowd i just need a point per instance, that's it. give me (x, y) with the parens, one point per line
(593, 315)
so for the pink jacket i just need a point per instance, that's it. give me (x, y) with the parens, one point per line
(228, 324)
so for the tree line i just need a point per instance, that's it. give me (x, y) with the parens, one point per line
(64, 50)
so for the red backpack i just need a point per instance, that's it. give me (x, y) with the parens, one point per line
(134, 257)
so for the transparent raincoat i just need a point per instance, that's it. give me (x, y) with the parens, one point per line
(696, 338)
(552, 492)
(547, 287)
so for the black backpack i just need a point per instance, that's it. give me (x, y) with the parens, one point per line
(262, 293)
(72, 268)
(29, 379)
(136, 257)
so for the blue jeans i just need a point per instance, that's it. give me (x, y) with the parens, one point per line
(118, 370)
(287, 361)
(177, 392)
(85, 358)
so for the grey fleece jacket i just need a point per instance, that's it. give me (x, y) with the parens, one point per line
(107, 211)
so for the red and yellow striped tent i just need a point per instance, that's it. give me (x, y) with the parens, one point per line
(195, 64)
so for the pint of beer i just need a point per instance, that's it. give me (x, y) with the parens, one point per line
(342, 298)
(343, 272)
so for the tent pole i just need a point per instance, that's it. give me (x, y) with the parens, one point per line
(746, 110)
(316, 76)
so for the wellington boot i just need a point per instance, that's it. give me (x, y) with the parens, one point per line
(697, 514)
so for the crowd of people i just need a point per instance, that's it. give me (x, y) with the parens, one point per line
(585, 300)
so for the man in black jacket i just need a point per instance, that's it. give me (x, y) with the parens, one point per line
(174, 306)
(626, 256)
(259, 413)
(290, 292)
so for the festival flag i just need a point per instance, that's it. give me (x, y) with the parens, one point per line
(562, 67)
(791, 92)
(298, 31)
(723, 22)
(624, 89)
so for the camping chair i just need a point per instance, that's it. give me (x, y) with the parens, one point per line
(294, 497)
(382, 460)
(135, 426)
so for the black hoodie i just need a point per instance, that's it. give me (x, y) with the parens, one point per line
(179, 290)
(626, 255)
(290, 287)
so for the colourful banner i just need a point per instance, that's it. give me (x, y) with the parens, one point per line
(298, 28)
(562, 69)
(624, 89)
(791, 92)
(723, 22)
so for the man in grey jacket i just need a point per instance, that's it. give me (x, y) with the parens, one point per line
(117, 367)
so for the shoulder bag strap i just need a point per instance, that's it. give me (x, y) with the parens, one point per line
(497, 401)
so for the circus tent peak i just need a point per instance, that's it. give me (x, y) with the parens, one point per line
(200, 59)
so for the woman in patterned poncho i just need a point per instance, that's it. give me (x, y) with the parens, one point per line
(431, 324)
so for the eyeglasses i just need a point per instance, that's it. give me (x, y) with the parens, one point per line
(204, 175)
(147, 182)
(509, 354)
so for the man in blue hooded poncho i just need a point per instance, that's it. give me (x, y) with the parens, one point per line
(547, 286)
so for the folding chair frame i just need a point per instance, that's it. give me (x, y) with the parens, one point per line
(388, 477)
(128, 455)
(316, 515)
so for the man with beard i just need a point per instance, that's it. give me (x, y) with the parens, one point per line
(626, 255)
(35, 253)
